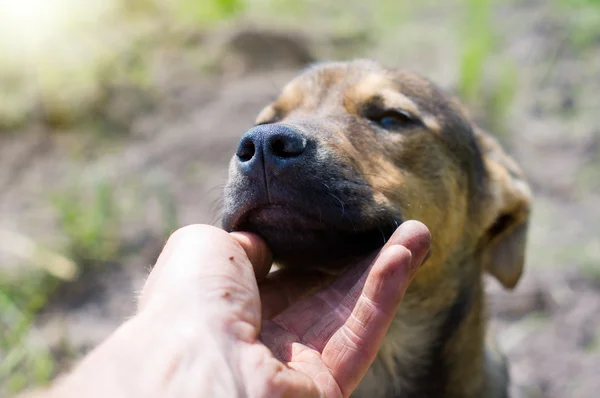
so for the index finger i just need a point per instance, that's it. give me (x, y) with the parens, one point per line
(358, 340)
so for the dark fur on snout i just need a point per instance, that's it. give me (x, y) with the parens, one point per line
(347, 153)
(314, 209)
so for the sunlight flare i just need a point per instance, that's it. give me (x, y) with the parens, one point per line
(30, 22)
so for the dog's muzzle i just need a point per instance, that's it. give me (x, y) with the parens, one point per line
(311, 208)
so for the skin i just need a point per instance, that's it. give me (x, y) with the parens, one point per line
(213, 322)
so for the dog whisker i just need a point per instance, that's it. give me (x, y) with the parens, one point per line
(343, 206)
(382, 235)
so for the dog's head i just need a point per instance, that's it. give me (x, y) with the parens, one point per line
(351, 150)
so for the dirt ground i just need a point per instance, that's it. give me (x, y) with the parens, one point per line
(549, 326)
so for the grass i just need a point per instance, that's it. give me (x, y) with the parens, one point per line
(91, 217)
(207, 12)
(69, 93)
(501, 96)
(25, 360)
(477, 42)
(91, 226)
(476, 86)
(579, 3)
(586, 32)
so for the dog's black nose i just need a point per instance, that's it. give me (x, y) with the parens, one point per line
(270, 147)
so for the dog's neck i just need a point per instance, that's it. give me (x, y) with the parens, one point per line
(435, 346)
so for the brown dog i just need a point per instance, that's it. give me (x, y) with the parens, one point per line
(347, 153)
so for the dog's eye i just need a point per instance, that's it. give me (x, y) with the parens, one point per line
(392, 119)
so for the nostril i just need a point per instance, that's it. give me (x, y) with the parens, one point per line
(278, 147)
(246, 150)
(286, 146)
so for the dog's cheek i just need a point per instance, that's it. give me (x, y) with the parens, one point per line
(427, 189)
(442, 207)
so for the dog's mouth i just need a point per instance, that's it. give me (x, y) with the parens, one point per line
(303, 240)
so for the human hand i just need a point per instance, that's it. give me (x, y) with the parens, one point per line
(201, 329)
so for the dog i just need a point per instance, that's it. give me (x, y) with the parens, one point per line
(348, 152)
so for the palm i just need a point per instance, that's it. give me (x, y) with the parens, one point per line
(333, 336)
(313, 337)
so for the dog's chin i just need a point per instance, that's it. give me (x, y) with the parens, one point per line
(304, 243)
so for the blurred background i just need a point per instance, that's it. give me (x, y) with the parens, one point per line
(118, 119)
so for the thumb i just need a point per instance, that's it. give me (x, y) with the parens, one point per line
(203, 268)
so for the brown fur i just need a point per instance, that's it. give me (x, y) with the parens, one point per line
(443, 171)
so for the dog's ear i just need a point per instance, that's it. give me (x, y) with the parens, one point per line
(505, 214)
